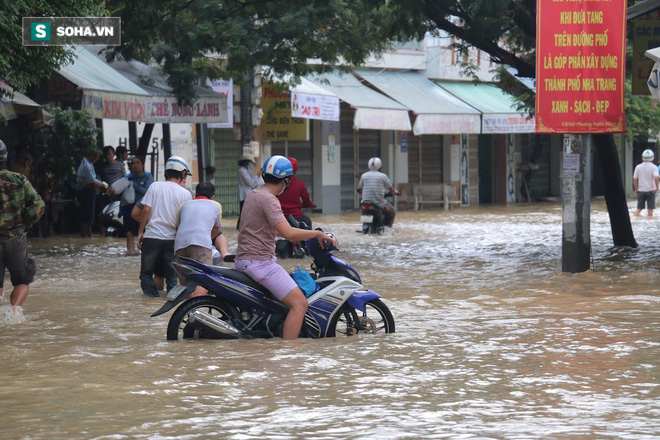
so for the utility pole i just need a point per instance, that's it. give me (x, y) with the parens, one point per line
(576, 200)
(246, 108)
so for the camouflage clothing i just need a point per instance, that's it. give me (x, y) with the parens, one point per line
(20, 205)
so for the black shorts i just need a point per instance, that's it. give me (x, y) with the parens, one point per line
(14, 256)
(645, 197)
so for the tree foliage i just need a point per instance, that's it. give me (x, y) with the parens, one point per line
(229, 38)
(22, 66)
(72, 137)
(642, 116)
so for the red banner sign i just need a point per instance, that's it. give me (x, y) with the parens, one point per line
(580, 66)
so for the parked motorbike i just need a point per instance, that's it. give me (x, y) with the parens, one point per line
(291, 249)
(372, 217)
(109, 217)
(238, 307)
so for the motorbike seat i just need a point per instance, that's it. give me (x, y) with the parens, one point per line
(240, 277)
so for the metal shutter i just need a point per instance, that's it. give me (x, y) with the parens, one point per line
(425, 158)
(225, 150)
(302, 152)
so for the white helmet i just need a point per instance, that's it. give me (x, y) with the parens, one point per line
(177, 163)
(647, 155)
(375, 163)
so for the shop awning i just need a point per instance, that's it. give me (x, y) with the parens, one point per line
(20, 105)
(499, 115)
(373, 110)
(133, 91)
(437, 111)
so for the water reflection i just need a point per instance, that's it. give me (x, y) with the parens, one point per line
(492, 341)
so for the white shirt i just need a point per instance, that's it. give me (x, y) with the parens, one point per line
(164, 199)
(645, 173)
(195, 221)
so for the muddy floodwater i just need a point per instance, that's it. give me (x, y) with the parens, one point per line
(492, 341)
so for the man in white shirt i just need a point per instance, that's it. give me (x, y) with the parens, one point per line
(158, 224)
(198, 223)
(645, 181)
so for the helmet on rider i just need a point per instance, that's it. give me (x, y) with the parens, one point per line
(3, 152)
(294, 163)
(177, 163)
(278, 166)
(647, 155)
(375, 163)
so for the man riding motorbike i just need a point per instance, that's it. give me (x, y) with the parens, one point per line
(373, 185)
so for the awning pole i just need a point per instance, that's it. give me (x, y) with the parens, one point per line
(132, 137)
(356, 167)
(167, 141)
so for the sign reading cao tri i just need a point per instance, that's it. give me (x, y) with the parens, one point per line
(59, 31)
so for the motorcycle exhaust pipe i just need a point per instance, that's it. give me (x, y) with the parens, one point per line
(197, 316)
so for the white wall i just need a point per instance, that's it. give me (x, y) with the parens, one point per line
(115, 133)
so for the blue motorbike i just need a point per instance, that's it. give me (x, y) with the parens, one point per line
(238, 307)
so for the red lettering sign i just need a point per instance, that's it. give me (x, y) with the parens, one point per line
(580, 66)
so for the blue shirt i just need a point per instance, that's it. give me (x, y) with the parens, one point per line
(141, 184)
(85, 174)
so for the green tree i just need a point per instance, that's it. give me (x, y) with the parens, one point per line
(72, 137)
(23, 66)
(642, 115)
(506, 29)
(229, 38)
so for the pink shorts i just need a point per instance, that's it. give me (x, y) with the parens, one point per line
(269, 274)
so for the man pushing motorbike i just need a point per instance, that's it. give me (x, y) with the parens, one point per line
(262, 220)
(373, 185)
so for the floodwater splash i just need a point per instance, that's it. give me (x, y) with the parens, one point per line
(10, 314)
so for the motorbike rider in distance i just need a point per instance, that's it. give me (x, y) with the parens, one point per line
(261, 222)
(373, 185)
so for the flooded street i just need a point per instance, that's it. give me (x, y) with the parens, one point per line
(492, 341)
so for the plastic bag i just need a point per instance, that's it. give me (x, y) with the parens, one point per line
(305, 281)
(128, 196)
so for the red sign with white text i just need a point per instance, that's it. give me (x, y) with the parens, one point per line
(580, 66)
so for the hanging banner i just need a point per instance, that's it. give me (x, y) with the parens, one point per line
(277, 123)
(580, 66)
(224, 87)
(153, 109)
(304, 105)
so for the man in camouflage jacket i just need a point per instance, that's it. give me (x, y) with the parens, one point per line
(20, 208)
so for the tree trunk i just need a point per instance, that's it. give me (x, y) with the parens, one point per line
(615, 193)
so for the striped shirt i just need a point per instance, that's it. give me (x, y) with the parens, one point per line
(20, 205)
(374, 184)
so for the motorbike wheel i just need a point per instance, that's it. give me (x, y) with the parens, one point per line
(179, 328)
(377, 319)
(366, 228)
